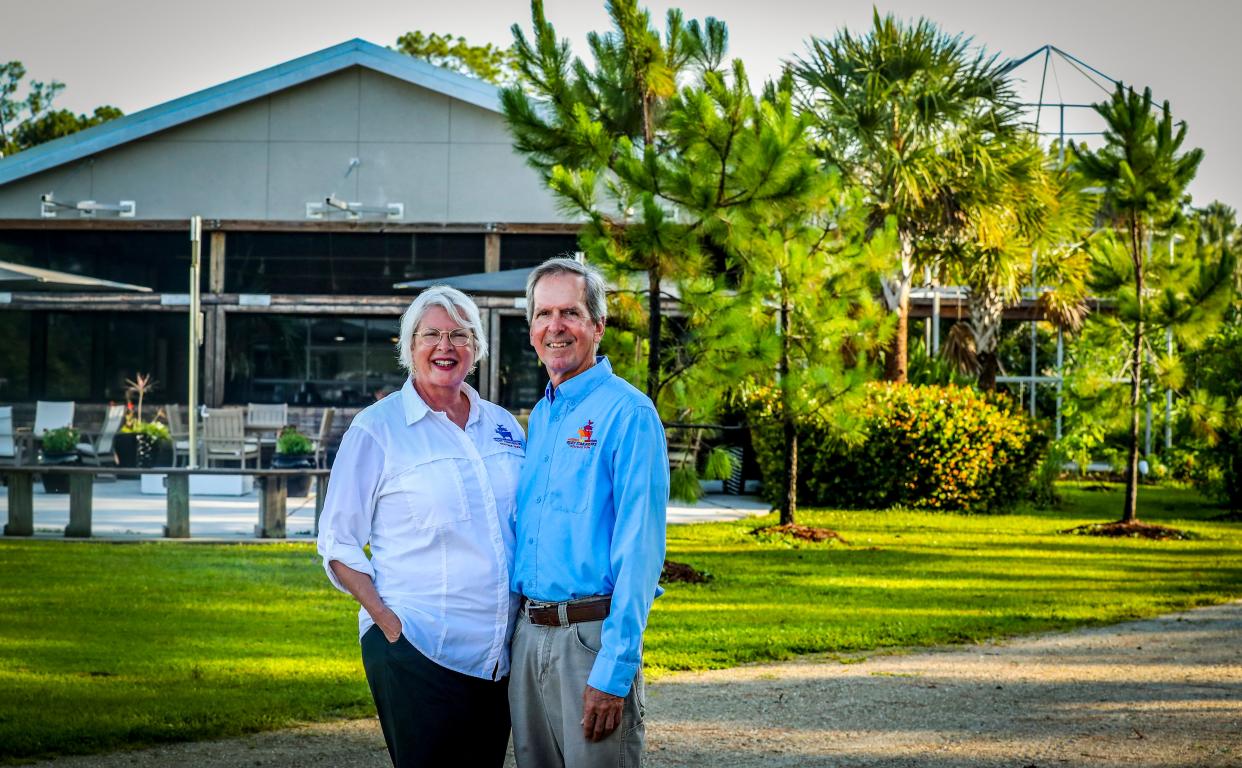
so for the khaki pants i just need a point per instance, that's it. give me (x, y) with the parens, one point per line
(549, 674)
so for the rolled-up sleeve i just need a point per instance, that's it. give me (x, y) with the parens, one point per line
(640, 493)
(345, 523)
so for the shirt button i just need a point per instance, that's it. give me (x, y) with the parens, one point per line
(530, 541)
(538, 499)
(545, 459)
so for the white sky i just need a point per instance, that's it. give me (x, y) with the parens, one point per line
(138, 53)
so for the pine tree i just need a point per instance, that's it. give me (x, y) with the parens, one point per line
(1144, 173)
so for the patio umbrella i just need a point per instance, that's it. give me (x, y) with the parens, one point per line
(19, 277)
(509, 282)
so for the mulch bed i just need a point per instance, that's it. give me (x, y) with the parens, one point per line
(1135, 530)
(674, 571)
(797, 531)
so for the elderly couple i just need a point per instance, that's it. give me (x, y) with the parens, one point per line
(506, 578)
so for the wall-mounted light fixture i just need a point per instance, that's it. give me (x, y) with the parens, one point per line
(49, 207)
(331, 205)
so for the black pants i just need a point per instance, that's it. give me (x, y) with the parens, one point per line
(434, 716)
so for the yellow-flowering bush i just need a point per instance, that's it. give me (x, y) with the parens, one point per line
(925, 447)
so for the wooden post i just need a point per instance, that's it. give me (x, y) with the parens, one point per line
(178, 526)
(321, 492)
(81, 487)
(21, 504)
(271, 507)
(491, 252)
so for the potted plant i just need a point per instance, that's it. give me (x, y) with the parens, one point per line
(142, 443)
(294, 450)
(59, 447)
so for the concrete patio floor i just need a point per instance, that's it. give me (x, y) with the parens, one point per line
(121, 511)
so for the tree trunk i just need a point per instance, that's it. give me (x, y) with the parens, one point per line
(989, 366)
(789, 504)
(987, 309)
(653, 331)
(1130, 512)
(897, 365)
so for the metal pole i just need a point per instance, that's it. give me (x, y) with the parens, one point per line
(196, 333)
(1168, 393)
(1034, 331)
(1060, 375)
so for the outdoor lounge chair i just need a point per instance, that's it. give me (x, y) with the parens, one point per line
(321, 442)
(102, 447)
(9, 453)
(52, 415)
(179, 432)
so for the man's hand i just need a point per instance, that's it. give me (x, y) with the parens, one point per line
(601, 714)
(390, 625)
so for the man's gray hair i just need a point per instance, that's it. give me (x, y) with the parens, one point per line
(459, 306)
(596, 290)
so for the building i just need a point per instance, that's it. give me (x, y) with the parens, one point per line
(322, 182)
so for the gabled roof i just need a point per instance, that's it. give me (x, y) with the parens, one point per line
(265, 82)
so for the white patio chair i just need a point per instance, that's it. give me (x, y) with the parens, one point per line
(51, 414)
(102, 446)
(179, 431)
(224, 437)
(9, 453)
(321, 442)
(266, 419)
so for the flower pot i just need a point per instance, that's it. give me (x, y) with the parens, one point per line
(296, 486)
(57, 482)
(126, 445)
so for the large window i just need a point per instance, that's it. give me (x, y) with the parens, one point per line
(518, 251)
(344, 263)
(157, 260)
(310, 360)
(87, 356)
(522, 377)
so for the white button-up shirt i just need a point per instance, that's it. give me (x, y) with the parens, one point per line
(437, 505)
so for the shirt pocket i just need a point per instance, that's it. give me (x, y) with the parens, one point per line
(434, 494)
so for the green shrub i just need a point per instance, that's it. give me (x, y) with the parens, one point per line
(939, 448)
(291, 442)
(60, 440)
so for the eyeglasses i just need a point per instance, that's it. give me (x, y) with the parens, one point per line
(458, 337)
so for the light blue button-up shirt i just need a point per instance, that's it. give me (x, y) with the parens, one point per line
(592, 497)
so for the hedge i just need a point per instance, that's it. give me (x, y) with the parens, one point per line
(924, 447)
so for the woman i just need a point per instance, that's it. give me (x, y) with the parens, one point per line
(427, 476)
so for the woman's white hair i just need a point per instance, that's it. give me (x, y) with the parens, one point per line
(459, 306)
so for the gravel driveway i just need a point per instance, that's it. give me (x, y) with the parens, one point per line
(1159, 692)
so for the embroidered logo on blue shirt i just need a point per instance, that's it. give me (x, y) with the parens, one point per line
(505, 437)
(583, 440)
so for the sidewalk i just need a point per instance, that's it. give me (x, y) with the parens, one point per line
(121, 511)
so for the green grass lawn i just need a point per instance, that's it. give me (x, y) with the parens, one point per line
(104, 646)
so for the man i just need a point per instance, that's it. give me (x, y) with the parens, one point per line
(590, 538)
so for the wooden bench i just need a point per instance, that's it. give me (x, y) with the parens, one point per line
(272, 497)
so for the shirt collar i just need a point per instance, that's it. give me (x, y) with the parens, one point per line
(579, 386)
(415, 408)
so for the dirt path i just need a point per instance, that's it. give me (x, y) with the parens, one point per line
(1160, 692)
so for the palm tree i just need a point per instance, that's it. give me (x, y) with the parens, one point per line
(1024, 205)
(1144, 175)
(910, 114)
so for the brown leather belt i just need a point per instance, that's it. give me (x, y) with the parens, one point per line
(570, 612)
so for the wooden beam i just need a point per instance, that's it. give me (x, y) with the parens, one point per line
(213, 356)
(80, 490)
(321, 493)
(178, 516)
(215, 266)
(271, 507)
(491, 252)
(21, 504)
